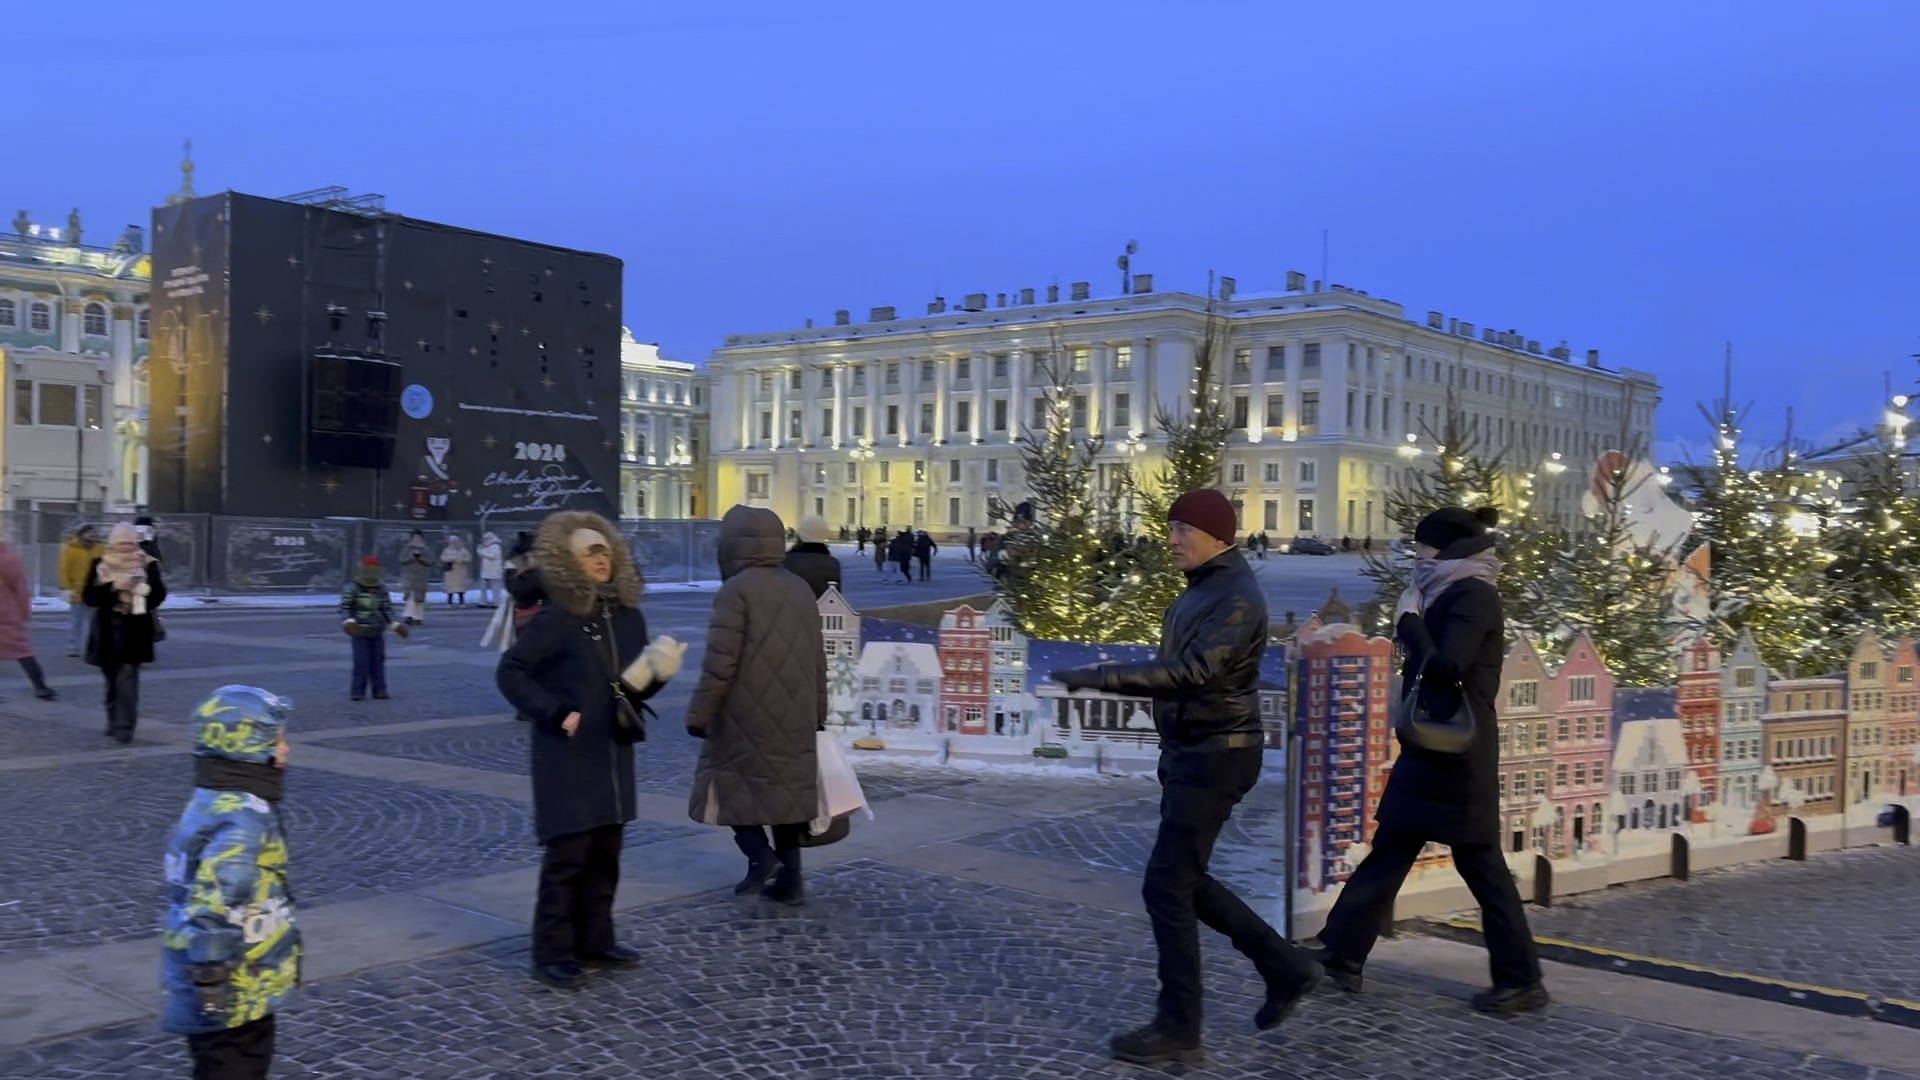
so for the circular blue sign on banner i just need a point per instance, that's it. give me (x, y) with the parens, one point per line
(416, 401)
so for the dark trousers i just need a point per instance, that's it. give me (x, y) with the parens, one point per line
(573, 912)
(752, 839)
(123, 699)
(1354, 923)
(369, 663)
(1199, 790)
(31, 665)
(239, 1053)
(926, 567)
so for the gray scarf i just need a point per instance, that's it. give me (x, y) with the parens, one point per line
(1435, 576)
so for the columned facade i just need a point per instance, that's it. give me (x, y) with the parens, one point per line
(658, 434)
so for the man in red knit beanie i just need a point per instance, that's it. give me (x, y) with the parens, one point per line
(1205, 686)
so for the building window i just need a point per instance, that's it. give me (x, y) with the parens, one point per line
(886, 472)
(1276, 410)
(919, 472)
(953, 470)
(999, 414)
(766, 425)
(1277, 360)
(793, 381)
(1123, 358)
(953, 511)
(10, 318)
(1743, 678)
(1523, 695)
(826, 421)
(39, 317)
(1080, 359)
(793, 424)
(1272, 475)
(962, 368)
(859, 422)
(886, 510)
(926, 418)
(1079, 410)
(1122, 411)
(1309, 411)
(993, 470)
(893, 419)
(853, 474)
(859, 379)
(926, 371)
(1271, 520)
(893, 376)
(1350, 404)
(679, 393)
(1310, 360)
(1309, 471)
(1304, 517)
(963, 416)
(1580, 688)
(1236, 473)
(820, 474)
(759, 484)
(1243, 360)
(1240, 410)
(1000, 366)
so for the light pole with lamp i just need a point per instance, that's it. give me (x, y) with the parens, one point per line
(861, 455)
(1132, 448)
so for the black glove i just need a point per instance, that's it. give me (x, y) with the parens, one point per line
(698, 733)
(210, 986)
(1087, 678)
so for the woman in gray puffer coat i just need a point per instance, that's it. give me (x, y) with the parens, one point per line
(761, 698)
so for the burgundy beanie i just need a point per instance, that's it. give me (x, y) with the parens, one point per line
(1207, 510)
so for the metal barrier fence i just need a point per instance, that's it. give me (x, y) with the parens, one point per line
(234, 555)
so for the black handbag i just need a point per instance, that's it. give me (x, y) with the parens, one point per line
(629, 723)
(1417, 726)
(836, 832)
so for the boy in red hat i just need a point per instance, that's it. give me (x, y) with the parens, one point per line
(367, 610)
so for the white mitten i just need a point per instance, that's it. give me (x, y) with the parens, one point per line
(140, 592)
(639, 674)
(1409, 604)
(664, 656)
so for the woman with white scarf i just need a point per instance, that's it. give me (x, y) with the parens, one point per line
(1451, 623)
(124, 590)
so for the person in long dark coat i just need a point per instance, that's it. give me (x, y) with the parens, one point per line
(761, 699)
(811, 559)
(587, 645)
(124, 589)
(1450, 620)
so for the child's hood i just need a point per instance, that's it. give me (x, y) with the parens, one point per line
(240, 723)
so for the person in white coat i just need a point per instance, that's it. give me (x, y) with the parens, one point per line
(492, 566)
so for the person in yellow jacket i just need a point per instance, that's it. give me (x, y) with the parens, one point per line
(76, 558)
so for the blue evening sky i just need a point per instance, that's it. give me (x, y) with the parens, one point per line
(1650, 179)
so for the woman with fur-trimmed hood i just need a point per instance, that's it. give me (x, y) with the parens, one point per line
(579, 673)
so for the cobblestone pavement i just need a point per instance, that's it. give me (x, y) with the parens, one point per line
(894, 973)
(1842, 920)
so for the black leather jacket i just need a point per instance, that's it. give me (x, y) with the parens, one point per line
(1206, 680)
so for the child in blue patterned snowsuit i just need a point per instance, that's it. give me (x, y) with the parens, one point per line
(231, 950)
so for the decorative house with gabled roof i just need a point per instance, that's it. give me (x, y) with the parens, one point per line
(1525, 708)
(1698, 702)
(1342, 690)
(966, 652)
(1804, 737)
(1582, 702)
(840, 627)
(1903, 721)
(1088, 714)
(1743, 701)
(1649, 765)
(1010, 707)
(899, 676)
(1864, 772)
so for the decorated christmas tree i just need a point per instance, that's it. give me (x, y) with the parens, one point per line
(1063, 576)
(1873, 580)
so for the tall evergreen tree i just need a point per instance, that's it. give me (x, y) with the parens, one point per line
(1873, 581)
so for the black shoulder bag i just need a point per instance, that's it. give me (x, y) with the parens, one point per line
(1450, 735)
(629, 723)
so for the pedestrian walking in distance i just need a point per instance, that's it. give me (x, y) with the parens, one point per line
(923, 551)
(456, 566)
(760, 701)
(580, 673)
(230, 947)
(16, 614)
(366, 612)
(76, 557)
(492, 566)
(812, 560)
(416, 570)
(123, 590)
(1451, 623)
(1205, 686)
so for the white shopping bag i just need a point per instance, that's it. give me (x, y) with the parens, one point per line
(501, 624)
(839, 788)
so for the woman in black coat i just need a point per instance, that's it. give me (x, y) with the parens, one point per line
(1451, 622)
(811, 559)
(579, 673)
(124, 590)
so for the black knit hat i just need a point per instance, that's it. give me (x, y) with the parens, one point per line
(1451, 525)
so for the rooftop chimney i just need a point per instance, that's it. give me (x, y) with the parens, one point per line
(1434, 319)
(999, 299)
(1053, 294)
(842, 317)
(1079, 290)
(1560, 352)
(1026, 297)
(1227, 288)
(1142, 284)
(975, 301)
(1593, 358)
(1316, 284)
(880, 314)
(938, 305)
(1296, 281)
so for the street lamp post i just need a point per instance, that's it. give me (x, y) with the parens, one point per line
(861, 455)
(1132, 448)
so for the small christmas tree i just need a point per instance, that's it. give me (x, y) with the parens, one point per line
(1062, 577)
(1873, 580)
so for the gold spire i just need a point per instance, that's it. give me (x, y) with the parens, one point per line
(185, 194)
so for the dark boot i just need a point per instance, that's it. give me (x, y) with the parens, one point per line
(761, 870)
(564, 975)
(787, 888)
(1153, 1045)
(1345, 974)
(1285, 990)
(1511, 1000)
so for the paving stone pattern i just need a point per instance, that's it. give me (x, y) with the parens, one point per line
(1842, 920)
(896, 973)
(22, 734)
